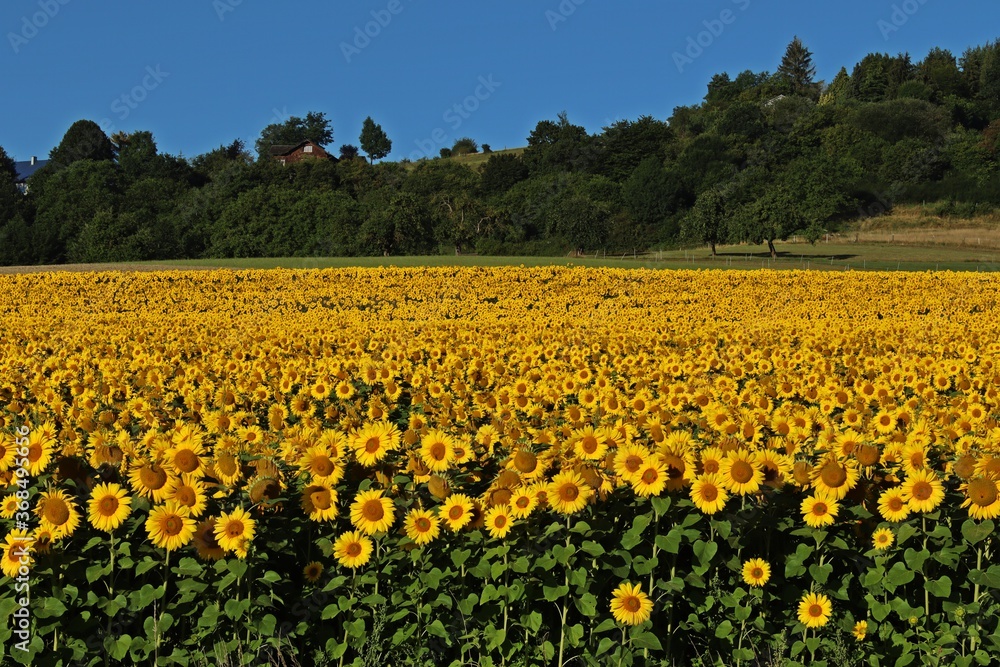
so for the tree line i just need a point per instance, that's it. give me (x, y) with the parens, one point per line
(763, 156)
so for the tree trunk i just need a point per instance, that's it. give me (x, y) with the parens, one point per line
(713, 248)
(770, 247)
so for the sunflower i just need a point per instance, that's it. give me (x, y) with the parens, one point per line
(756, 572)
(313, 571)
(151, 480)
(815, 610)
(234, 530)
(169, 525)
(711, 460)
(892, 505)
(776, 467)
(860, 630)
(184, 457)
(819, 510)
(457, 511)
(883, 538)
(498, 521)
(372, 513)
(923, 490)
(373, 443)
(352, 549)
(17, 548)
(422, 526)
(833, 478)
(708, 493)
(9, 506)
(651, 480)
(226, 467)
(204, 541)
(678, 460)
(41, 446)
(58, 513)
(629, 605)
(740, 472)
(190, 492)
(319, 502)
(588, 443)
(42, 540)
(437, 450)
(568, 493)
(982, 497)
(629, 460)
(109, 506)
(522, 503)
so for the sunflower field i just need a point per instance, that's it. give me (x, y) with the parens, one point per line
(509, 466)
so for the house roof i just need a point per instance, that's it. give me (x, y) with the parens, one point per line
(26, 169)
(285, 149)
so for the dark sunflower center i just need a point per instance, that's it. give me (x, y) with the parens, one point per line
(632, 604)
(922, 490)
(982, 492)
(373, 510)
(108, 505)
(833, 475)
(742, 472)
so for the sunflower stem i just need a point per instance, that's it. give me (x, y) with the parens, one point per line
(975, 598)
(621, 655)
(565, 605)
(927, 595)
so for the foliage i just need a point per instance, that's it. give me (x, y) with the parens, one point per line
(374, 141)
(314, 127)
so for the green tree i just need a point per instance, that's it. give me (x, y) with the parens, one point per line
(8, 168)
(314, 127)
(394, 224)
(70, 199)
(349, 152)
(796, 70)
(84, 140)
(465, 146)
(623, 145)
(374, 141)
(555, 146)
(707, 220)
(839, 90)
(650, 197)
(502, 172)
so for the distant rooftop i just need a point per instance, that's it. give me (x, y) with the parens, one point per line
(29, 167)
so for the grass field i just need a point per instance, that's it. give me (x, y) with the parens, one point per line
(822, 256)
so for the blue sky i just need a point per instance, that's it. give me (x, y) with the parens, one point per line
(199, 73)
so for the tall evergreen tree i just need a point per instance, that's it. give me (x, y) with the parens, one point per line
(374, 141)
(796, 70)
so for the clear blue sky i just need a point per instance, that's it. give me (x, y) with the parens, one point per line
(199, 73)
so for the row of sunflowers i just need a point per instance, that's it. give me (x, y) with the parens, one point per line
(500, 466)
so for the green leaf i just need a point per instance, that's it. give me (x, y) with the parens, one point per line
(898, 575)
(646, 640)
(606, 625)
(51, 608)
(553, 593)
(586, 604)
(563, 553)
(271, 577)
(905, 532)
(705, 551)
(459, 556)
(660, 504)
(915, 559)
(975, 532)
(437, 629)
(724, 629)
(497, 638)
(671, 542)
(145, 565)
(237, 567)
(593, 548)
(939, 588)
(990, 578)
(820, 573)
(633, 536)
(534, 621)
(188, 567)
